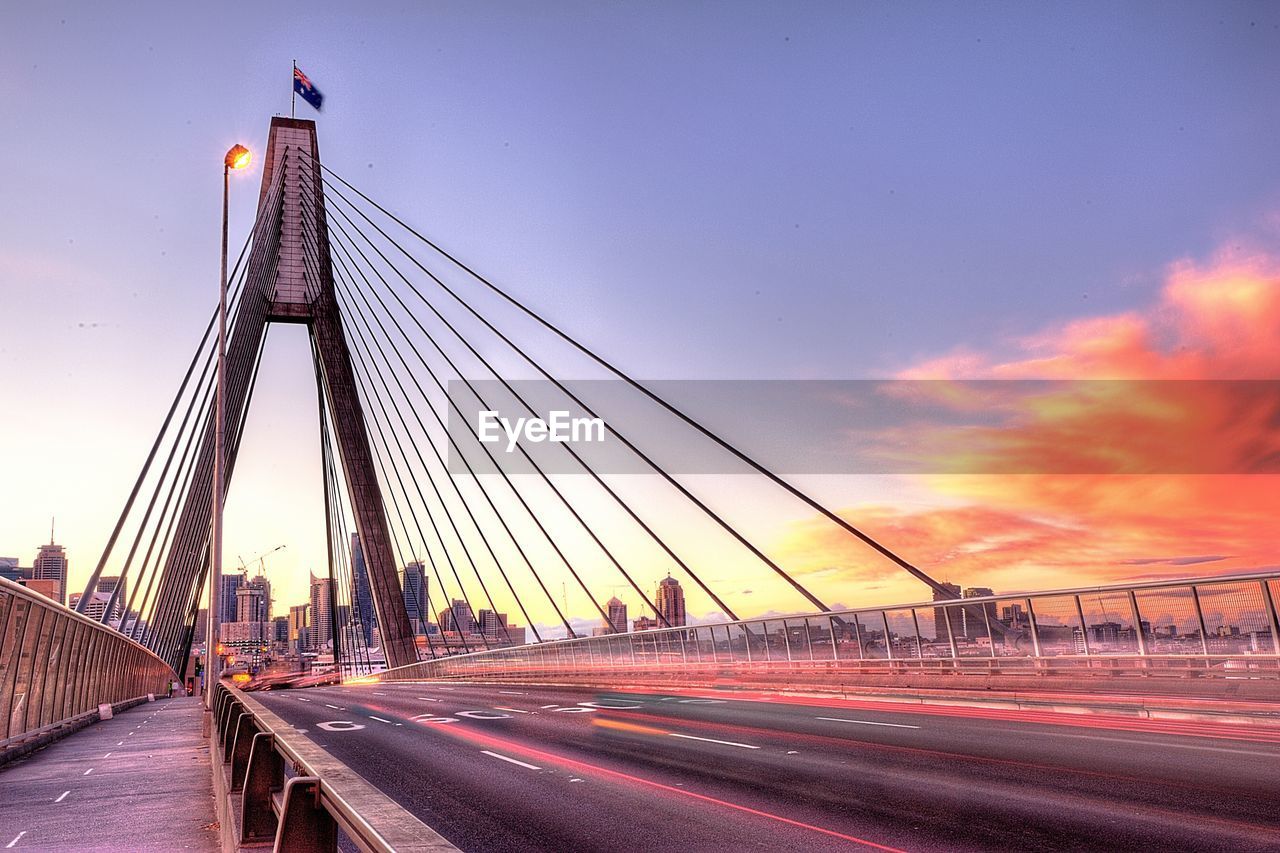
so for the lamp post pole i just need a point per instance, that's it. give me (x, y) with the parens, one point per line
(237, 158)
(213, 661)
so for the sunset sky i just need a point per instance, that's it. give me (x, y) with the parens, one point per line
(698, 191)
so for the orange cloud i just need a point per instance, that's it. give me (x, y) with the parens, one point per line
(1025, 531)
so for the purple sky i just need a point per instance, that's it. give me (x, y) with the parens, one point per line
(830, 190)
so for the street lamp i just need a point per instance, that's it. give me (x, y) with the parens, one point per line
(238, 157)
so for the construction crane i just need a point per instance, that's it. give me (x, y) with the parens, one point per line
(260, 560)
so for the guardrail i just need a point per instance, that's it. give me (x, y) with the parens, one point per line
(1222, 626)
(57, 667)
(276, 786)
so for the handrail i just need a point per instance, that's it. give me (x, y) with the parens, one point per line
(57, 665)
(894, 632)
(323, 795)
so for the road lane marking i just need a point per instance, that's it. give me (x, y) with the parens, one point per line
(512, 760)
(334, 707)
(867, 722)
(379, 719)
(130, 734)
(545, 707)
(108, 755)
(62, 796)
(300, 699)
(428, 699)
(444, 688)
(511, 692)
(512, 710)
(16, 839)
(712, 740)
(120, 743)
(87, 772)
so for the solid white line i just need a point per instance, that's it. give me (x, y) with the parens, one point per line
(513, 710)
(379, 719)
(867, 723)
(713, 740)
(62, 796)
(511, 692)
(87, 772)
(512, 760)
(16, 839)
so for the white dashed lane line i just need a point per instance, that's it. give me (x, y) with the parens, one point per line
(62, 796)
(87, 772)
(511, 760)
(713, 740)
(512, 710)
(867, 723)
(379, 719)
(334, 707)
(16, 839)
(428, 699)
(511, 692)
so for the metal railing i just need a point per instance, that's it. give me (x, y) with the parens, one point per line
(1215, 626)
(57, 667)
(280, 788)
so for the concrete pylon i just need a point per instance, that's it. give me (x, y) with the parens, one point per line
(289, 279)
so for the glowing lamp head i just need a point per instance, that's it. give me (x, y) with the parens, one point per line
(238, 157)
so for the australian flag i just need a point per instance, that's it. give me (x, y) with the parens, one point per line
(306, 89)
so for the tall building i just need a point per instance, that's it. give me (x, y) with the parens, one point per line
(227, 606)
(973, 625)
(616, 623)
(11, 571)
(298, 639)
(51, 564)
(320, 628)
(362, 593)
(107, 584)
(251, 605)
(458, 618)
(96, 606)
(940, 613)
(415, 595)
(671, 602)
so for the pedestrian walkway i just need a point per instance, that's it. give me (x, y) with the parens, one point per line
(139, 781)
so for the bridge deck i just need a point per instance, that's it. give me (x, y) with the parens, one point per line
(139, 781)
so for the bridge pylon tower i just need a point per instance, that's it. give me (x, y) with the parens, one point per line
(289, 279)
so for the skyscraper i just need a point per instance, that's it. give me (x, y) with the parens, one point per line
(975, 625)
(616, 623)
(107, 584)
(671, 601)
(362, 594)
(321, 619)
(458, 618)
(940, 613)
(227, 598)
(415, 595)
(51, 564)
(298, 639)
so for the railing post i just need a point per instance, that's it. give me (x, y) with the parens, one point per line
(1204, 635)
(1084, 626)
(243, 742)
(951, 634)
(264, 775)
(304, 822)
(888, 643)
(1137, 624)
(1035, 629)
(1271, 615)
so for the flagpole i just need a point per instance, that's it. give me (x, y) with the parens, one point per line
(293, 92)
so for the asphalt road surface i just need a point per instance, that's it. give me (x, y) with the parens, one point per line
(507, 768)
